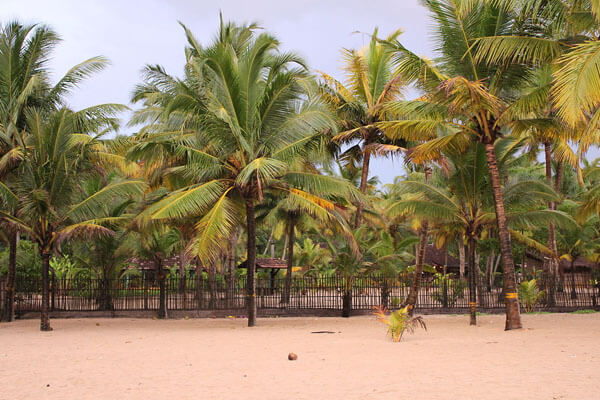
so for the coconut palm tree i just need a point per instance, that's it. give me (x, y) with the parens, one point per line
(370, 83)
(460, 203)
(51, 206)
(24, 83)
(463, 103)
(245, 119)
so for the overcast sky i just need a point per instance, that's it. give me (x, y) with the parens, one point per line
(132, 33)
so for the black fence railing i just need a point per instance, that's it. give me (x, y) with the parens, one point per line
(307, 293)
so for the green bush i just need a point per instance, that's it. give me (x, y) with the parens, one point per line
(448, 289)
(529, 294)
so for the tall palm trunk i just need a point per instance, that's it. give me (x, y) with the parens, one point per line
(364, 177)
(8, 310)
(251, 263)
(285, 298)
(513, 315)
(182, 275)
(212, 285)
(573, 290)
(472, 279)
(231, 269)
(549, 268)
(461, 259)
(411, 299)
(45, 309)
(162, 292)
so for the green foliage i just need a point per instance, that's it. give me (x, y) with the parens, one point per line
(399, 322)
(29, 264)
(448, 289)
(530, 295)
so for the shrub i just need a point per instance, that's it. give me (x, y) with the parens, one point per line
(398, 321)
(529, 294)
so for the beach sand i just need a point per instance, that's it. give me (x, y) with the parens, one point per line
(555, 356)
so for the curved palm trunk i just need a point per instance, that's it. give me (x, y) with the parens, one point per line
(285, 298)
(472, 280)
(364, 177)
(251, 263)
(8, 310)
(513, 315)
(45, 309)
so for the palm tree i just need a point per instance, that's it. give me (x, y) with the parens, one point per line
(358, 105)
(24, 55)
(51, 206)
(242, 100)
(460, 203)
(464, 102)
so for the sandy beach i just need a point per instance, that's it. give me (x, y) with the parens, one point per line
(556, 356)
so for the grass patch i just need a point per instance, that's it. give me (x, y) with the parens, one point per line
(584, 312)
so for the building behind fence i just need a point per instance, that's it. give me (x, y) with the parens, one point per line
(308, 294)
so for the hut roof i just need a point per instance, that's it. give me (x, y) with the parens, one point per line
(149, 264)
(271, 263)
(579, 263)
(437, 257)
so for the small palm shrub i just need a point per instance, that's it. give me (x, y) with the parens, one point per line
(529, 294)
(398, 321)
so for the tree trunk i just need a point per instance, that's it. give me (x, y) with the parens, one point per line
(480, 278)
(364, 177)
(231, 269)
(549, 268)
(162, 292)
(8, 310)
(44, 311)
(385, 292)
(573, 290)
(106, 302)
(199, 284)
(347, 302)
(472, 279)
(285, 298)
(513, 315)
(461, 258)
(411, 299)
(212, 285)
(251, 263)
(182, 275)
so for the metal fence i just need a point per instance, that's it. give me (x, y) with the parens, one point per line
(307, 293)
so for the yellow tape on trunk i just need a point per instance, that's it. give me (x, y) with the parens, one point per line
(511, 295)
